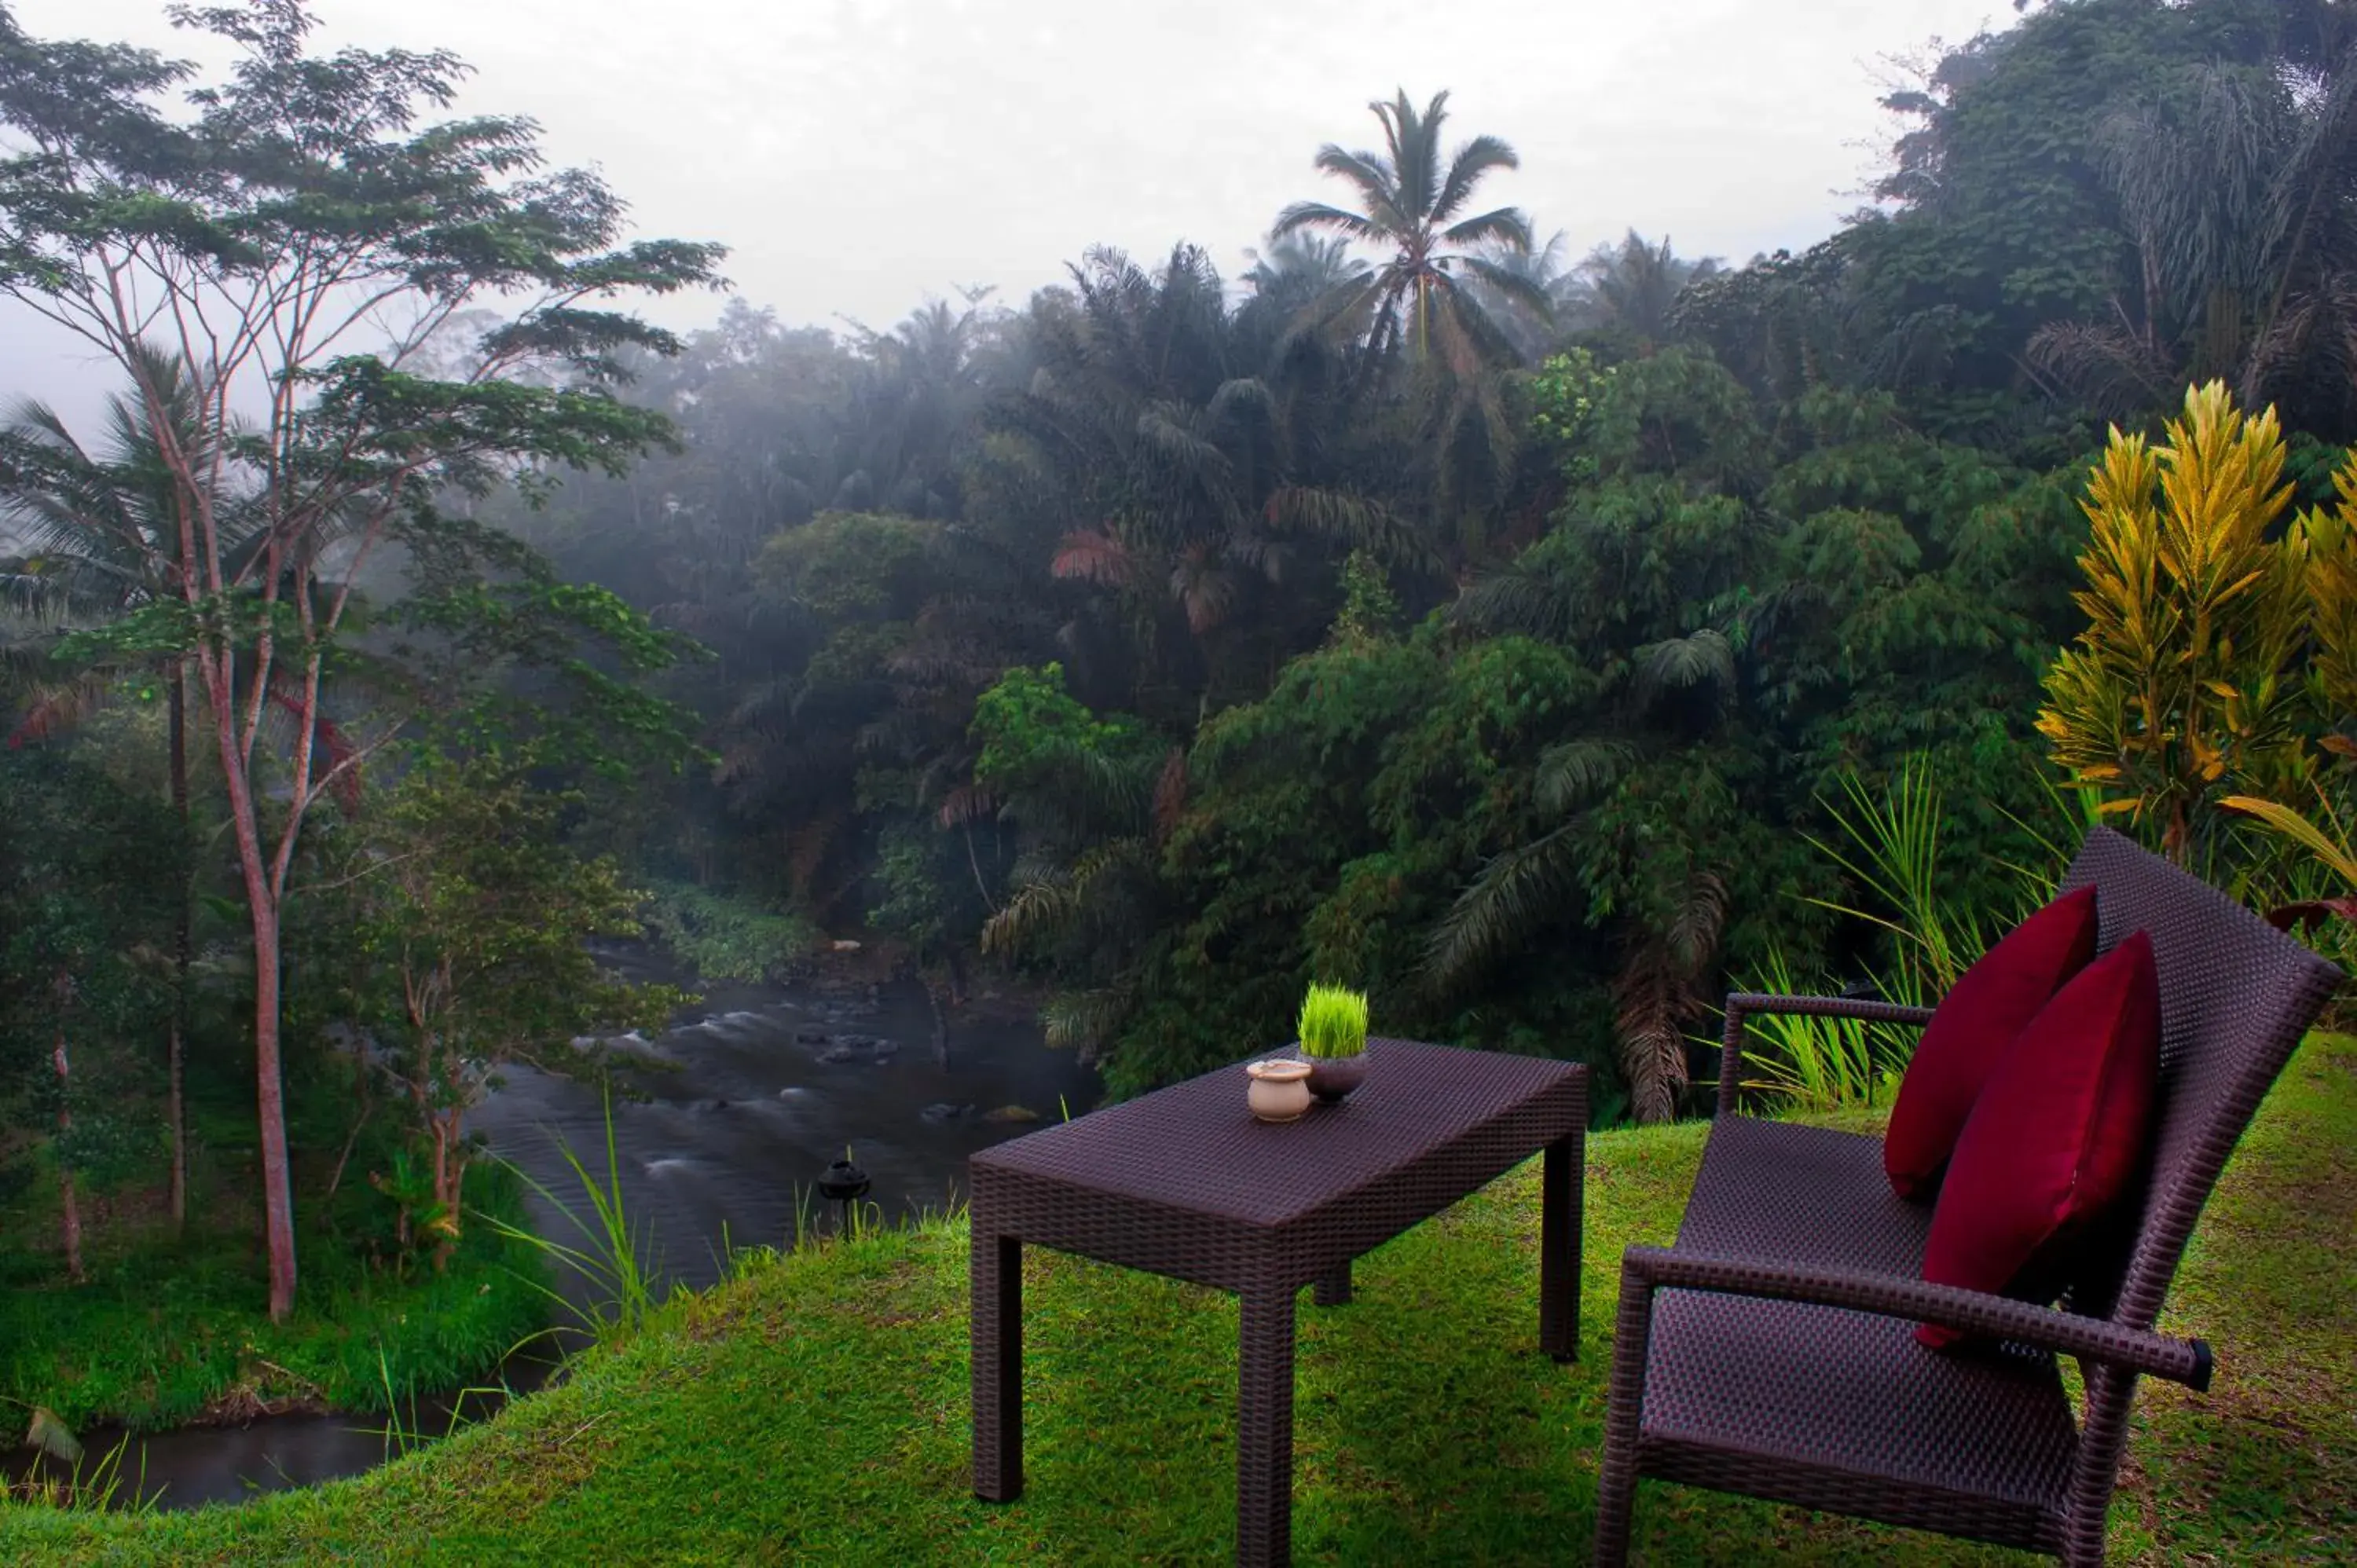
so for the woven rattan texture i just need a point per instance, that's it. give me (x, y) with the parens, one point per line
(1184, 1182)
(1195, 1147)
(1810, 1396)
(1812, 1404)
(1807, 1196)
(2235, 996)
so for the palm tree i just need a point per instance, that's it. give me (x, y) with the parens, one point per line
(1534, 331)
(2238, 200)
(100, 537)
(1178, 485)
(1628, 290)
(1414, 208)
(1298, 269)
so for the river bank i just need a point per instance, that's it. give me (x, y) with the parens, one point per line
(726, 1122)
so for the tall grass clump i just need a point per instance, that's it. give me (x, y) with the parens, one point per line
(1890, 848)
(613, 1256)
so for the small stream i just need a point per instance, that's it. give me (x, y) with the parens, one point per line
(746, 1099)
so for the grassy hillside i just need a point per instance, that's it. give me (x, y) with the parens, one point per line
(815, 1411)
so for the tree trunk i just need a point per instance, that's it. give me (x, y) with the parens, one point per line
(262, 903)
(368, 1108)
(441, 1160)
(176, 1106)
(269, 1107)
(69, 1214)
(449, 1166)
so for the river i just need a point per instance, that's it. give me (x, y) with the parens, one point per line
(740, 1107)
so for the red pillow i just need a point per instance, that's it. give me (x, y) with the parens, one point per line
(1990, 1004)
(2057, 1137)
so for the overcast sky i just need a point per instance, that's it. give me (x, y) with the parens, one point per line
(858, 156)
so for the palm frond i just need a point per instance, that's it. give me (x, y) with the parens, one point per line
(1513, 283)
(1682, 663)
(1205, 589)
(1323, 215)
(1650, 1005)
(1522, 598)
(1379, 182)
(1087, 1021)
(1571, 775)
(1094, 557)
(1503, 226)
(2113, 368)
(1481, 155)
(1515, 893)
(1349, 519)
(1692, 937)
(58, 706)
(1243, 400)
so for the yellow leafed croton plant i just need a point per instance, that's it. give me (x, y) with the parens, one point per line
(2218, 666)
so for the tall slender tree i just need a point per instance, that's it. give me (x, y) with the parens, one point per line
(1413, 211)
(298, 241)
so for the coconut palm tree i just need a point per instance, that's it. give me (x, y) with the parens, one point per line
(1414, 205)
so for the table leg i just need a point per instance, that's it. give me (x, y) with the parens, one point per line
(996, 1264)
(1264, 1431)
(1333, 1286)
(1562, 1192)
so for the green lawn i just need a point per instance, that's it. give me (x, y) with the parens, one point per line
(816, 1411)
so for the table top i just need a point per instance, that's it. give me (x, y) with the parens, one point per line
(1196, 1146)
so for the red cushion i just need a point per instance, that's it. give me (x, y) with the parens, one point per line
(2058, 1136)
(1990, 1004)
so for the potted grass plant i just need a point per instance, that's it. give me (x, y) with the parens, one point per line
(1333, 1026)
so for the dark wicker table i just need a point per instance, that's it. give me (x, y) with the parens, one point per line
(1184, 1182)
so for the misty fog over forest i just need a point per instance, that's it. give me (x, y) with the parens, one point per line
(764, 582)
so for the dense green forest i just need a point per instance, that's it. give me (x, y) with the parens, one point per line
(1416, 608)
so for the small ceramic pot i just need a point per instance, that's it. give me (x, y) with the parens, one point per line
(1279, 1090)
(1330, 1078)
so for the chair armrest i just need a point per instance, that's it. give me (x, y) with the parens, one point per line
(1743, 1003)
(2186, 1361)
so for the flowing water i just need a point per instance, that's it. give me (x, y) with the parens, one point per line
(744, 1101)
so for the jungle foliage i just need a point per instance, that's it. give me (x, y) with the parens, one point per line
(1422, 613)
(1537, 645)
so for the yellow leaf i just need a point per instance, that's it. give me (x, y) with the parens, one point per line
(2299, 830)
(2113, 807)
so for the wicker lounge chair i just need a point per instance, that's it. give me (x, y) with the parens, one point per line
(1771, 1352)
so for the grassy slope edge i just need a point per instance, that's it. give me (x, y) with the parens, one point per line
(816, 1411)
